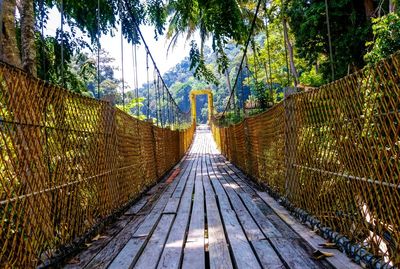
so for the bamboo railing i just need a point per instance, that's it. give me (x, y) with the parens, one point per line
(334, 153)
(68, 162)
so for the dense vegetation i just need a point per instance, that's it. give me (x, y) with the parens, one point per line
(292, 43)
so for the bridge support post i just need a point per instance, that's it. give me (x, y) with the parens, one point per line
(193, 95)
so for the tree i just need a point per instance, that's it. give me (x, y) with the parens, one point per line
(134, 107)
(386, 31)
(369, 8)
(393, 5)
(222, 20)
(9, 51)
(349, 25)
(28, 49)
(289, 48)
(76, 14)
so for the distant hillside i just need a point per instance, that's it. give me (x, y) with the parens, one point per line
(181, 81)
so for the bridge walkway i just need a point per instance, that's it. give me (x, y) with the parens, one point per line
(205, 215)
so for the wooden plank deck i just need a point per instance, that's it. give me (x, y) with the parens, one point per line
(209, 216)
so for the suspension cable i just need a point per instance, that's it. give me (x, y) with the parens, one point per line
(136, 79)
(242, 92)
(122, 68)
(163, 106)
(42, 13)
(148, 86)
(255, 58)
(286, 55)
(168, 110)
(156, 97)
(98, 49)
(269, 56)
(154, 63)
(62, 43)
(329, 39)
(253, 24)
(159, 101)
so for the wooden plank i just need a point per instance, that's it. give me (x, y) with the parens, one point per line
(264, 251)
(151, 254)
(107, 254)
(243, 254)
(251, 229)
(179, 189)
(119, 228)
(219, 255)
(151, 219)
(339, 260)
(172, 206)
(244, 185)
(194, 254)
(266, 226)
(133, 210)
(281, 226)
(266, 254)
(294, 257)
(131, 252)
(294, 253)
(103, 258)
(284, 228)
(86, 255)
(173, 251)
(155, 188)
(154, 215)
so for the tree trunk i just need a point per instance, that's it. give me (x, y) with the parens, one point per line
(228, 83)
(267, 79)
(9, 52)
(28, 37)
(369, 9)
(392, 5)
(291, 54)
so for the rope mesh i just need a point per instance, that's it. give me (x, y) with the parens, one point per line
(334, 152)
(67, 162)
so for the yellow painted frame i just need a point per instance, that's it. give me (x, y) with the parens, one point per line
(193, 95)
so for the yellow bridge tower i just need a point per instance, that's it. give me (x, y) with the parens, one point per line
(193, 95)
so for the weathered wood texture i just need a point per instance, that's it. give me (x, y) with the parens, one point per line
(208, 216)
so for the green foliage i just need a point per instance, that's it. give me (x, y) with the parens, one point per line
(349, 31)
(220, 19)
(197, 64)
(259, 61)
(386, 31)
(76, 69)
(231, 117)
(157, 15)
(312, 78)
(262, 94)
(226, 22)
(133, 108)
(83, 14)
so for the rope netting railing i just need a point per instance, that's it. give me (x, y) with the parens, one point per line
(332, 156)
(67, 163)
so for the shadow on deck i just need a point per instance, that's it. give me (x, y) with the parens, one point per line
(208, 216)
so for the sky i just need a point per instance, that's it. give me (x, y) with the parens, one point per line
(112, 44)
